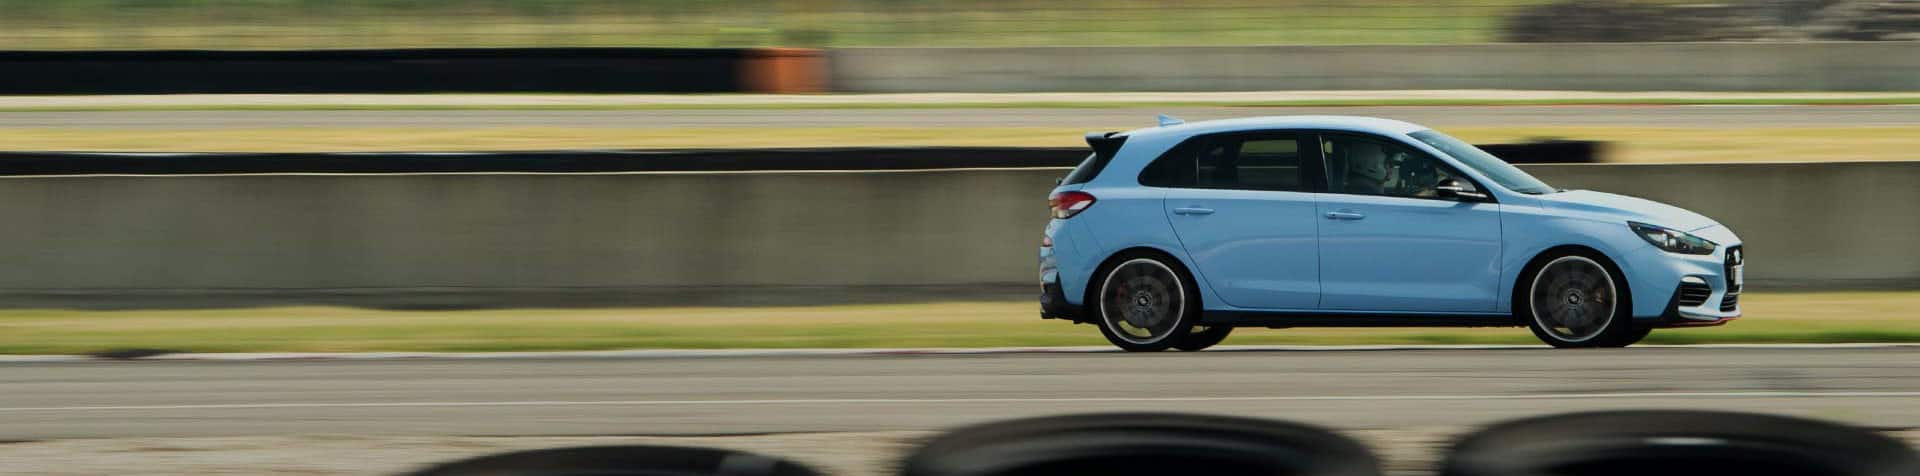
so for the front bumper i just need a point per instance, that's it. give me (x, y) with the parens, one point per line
(1671, 276)
(1703, 315)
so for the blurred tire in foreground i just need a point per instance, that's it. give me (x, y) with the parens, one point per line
(621, 461)
(1691, 443)
(1126, 444)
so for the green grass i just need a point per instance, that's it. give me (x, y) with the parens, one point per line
(1756, 101)
(1771, 318)
(282, 24)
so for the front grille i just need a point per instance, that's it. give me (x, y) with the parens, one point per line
(1694, 294)
(1735, 257)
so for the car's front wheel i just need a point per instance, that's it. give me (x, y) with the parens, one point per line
(1573, 300)
(1145, 304)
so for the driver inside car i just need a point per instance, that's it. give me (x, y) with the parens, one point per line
(1368, 170)
(1374, 169)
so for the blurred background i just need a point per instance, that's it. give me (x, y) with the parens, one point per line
(1774, 116)
(297, 24)
(264, 180)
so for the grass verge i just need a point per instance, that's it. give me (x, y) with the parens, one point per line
(1771, 318)
(1633, 144)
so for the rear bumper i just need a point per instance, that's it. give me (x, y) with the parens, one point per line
(1054, 305)
(1055, 251)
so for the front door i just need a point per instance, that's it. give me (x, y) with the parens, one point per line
(1388, 242)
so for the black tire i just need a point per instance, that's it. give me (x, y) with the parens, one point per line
(1662, 442)
(1639, 332)
(648, 460)
(1144, 302)
(1576, 299)
(1140, 444)
(1201, 337)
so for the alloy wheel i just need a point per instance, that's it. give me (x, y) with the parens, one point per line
(1573, 299)
(1143, 301)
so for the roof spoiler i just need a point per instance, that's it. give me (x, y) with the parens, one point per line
(1105, 144)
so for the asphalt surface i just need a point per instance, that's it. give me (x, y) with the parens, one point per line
(1090, 118)
(1875, 387)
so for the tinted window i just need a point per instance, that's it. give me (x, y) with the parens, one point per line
(1364, 166)
(1174, 168)
(1087, 169)
(1251, 163)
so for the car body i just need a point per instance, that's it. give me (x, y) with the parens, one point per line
(1353, 221)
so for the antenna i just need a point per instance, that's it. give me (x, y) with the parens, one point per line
(1166, 120)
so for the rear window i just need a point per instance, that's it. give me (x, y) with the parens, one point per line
(1087, 169)
(1252, 163)
(1239, 161)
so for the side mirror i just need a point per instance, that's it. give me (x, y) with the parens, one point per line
(1459, 190)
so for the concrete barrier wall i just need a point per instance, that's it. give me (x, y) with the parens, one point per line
(428, 70)
(73, 240)
(521, 231)
(1807, 224)
(1816, 66)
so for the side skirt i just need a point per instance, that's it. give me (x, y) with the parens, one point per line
(1278, 320)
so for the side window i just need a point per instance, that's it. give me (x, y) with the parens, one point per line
(1174, 168)
(1252, 162)
(1364, 166)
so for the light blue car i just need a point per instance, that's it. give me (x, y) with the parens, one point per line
(1171, 236)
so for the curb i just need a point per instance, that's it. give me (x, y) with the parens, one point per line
(867, 352)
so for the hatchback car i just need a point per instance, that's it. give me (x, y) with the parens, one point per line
(1171, 236)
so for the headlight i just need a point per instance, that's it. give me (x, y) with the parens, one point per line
(1674, 241)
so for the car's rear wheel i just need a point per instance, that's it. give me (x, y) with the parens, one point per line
(1145, 304)
(1201, 337)
(1574, 300)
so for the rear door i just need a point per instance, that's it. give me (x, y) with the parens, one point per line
(1388, 242)
(1242, 205)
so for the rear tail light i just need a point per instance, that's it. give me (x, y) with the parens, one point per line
(1067, 204)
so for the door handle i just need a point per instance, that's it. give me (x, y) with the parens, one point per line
(1345, 215)
(1192, 211)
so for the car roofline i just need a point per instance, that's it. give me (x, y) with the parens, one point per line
(1364, 124)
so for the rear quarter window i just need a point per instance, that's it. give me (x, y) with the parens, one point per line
(1175, 168)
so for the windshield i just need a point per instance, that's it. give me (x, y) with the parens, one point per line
(1495, 169)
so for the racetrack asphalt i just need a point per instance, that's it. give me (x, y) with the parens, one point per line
(1089, 118)
(1877, 387)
